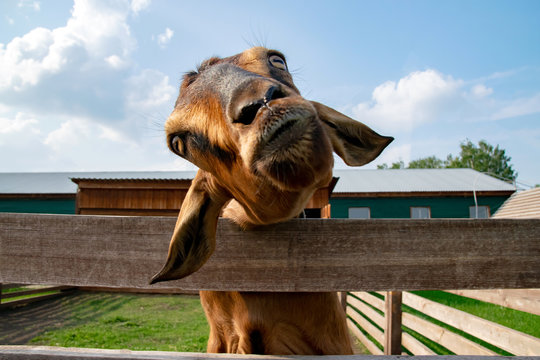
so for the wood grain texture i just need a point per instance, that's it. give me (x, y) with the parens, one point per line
(527, 300)
(444, 337)
(299, 255)
(392, 330)
(369, 345)
(46, 352)
(505, 338)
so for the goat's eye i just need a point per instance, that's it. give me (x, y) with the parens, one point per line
(278, 62)
(177, 145)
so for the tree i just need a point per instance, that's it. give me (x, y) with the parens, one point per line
(396, 165)
(484, 158)
(430, 162)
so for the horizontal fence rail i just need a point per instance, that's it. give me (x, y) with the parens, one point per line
(53, 353)
(299, 255)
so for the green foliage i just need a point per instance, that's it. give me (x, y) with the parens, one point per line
(397, 165)
(482, 157)
(430, 162)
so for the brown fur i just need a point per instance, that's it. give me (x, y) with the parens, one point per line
(262, 150)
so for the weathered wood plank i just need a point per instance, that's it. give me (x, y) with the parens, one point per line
(370, 345)
(371, 329)
(415, 346)
(392, 330)
(451, 341)
(370, 299)
(367, 311)
(46, 352)
(505, 338)
(299, 255)
(527, 300)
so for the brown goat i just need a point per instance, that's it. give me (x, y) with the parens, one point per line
(262, 150)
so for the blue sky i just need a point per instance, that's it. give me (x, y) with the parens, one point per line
(87, 85)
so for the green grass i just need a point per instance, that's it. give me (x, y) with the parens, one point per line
(136, 322)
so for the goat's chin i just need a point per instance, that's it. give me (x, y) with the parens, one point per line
(303, 163)
(297, 173)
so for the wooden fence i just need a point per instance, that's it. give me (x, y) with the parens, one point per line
(300, 255)
(371, 314)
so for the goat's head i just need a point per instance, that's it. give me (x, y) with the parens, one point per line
(262, 149)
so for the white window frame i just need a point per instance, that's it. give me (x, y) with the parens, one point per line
(358, 208)
(413, 215)
(485, 208)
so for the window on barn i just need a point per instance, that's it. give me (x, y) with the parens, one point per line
(420, 212)
(480, 212)
(359, 213)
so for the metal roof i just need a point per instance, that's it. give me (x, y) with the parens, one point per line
(417, 180)
(350, 181)
(60, 182)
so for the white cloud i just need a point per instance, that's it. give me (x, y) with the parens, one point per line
(424, 97)
(418, 98)
(164, 38)
(35, 5)
(9, 126)
(116, 62)
(70, 134)
(149, 91)
(139, 5)
(517, 107)
(480, 91)
(95, 35)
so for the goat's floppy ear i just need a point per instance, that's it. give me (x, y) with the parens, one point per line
(353, 141)
(194, 237)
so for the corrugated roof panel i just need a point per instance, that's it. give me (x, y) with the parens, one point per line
(60, 182)
(417, 180)
(350, 181)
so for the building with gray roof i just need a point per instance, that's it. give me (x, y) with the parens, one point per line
(404, 193)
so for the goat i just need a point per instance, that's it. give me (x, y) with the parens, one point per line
(262, 151)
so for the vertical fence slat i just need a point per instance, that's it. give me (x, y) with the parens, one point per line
(392, 341)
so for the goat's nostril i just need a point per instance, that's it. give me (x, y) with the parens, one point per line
(273, 93)
(248, 113)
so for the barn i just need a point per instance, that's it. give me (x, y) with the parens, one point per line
(404, 193)
(417, 193)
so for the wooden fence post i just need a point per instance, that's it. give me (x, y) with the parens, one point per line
(344, 300)
(392, 332)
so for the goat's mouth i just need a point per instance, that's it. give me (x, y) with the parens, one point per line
(292, 151)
